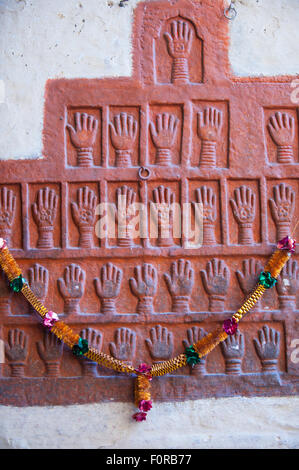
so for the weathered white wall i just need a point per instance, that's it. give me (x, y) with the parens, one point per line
(43, 39)
(237, 423)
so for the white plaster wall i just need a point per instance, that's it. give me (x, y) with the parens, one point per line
(228, 423)
(43, 39)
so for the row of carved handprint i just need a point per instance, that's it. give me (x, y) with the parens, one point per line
(179, 281)
(44, 211)
(243, 205)
(163, 130)
(267, 347)
(160, 345)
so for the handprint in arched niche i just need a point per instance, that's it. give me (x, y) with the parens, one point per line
(179, 43)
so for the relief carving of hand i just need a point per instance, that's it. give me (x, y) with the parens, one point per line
(249, 275)
(179, 42)
(209, 126)
(288, 284)
(207, 197)
(38, 278)
(243, 207)
(216, 279)
(194, 335)
(144, 287)
(95, 341)
(180, 284)
(282, 208)
(7, 213)
(72, 287)
(267, 347)
(44, 212)
(16, 350)
(162, 213)
(50, 351)
(108, 287)
(163, 135)
(233, 351)
(123, 133)
(160, 343)
(126, 211)
(5, 295)
(281, 127)
(124, 346)
(83, 212)
(83, 137)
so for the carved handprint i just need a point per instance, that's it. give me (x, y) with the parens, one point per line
(95, 340)
(38, 278)
(5, 295)
(124, 346)
(288, 285)
(216, 281)
(180, 283)
(163, 135)
(195, 334)
(16, 350)
(243, 207)
(83, 137)
(209, 126)
(7, 213)
(248, 277)
(179, 44)
(233, 351)
(50, 351)
(126, 211)
(206, 197)
(108, 287)
(162, 214)
(282, 208)
(72, 287)
(281, 127)
(144, 287)
(160, 344)
(123, 133)
(83, 212)
(267, 347)
(44, 212)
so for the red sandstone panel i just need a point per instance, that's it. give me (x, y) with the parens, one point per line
(204, 137)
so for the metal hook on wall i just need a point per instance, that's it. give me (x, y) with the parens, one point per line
(230, 13)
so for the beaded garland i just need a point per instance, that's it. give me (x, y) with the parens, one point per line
(144, 373)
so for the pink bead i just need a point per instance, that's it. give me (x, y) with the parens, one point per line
(287, 243)
(230, 326)
(50, 318)
(140, 416)
(145, 405)
(3, 244)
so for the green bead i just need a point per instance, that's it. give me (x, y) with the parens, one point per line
(267, 280)
(80, 348)
(192, 356)
(77, 350)
(17, 284)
